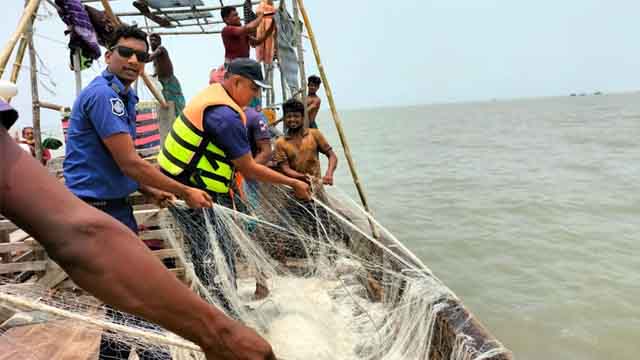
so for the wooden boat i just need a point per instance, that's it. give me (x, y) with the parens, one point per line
(23, 260)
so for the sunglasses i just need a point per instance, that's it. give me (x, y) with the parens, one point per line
(127, 52)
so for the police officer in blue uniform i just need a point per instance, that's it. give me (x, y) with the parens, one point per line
(101, 165)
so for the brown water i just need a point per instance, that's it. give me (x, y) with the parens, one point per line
(529, 210)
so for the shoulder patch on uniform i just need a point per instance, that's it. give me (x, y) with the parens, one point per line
(117, 106)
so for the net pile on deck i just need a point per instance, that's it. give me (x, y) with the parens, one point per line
(336, 290)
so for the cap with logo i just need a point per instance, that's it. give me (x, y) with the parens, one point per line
(249, 69)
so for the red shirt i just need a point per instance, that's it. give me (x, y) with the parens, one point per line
(236, 42)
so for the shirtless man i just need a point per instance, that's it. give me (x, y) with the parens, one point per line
(171, 89)
(313, 100)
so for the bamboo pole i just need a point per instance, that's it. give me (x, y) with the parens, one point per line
(77, 70)
(51, 106)
(29, 11)
(334, 112)
(154, 90)
(303, 76)
(17, 65)
(109, 11)
(35, 99)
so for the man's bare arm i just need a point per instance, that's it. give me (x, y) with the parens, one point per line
(259, 40)
(264, 151)
(252, 170)
(287, 170)
(253, 25)
(123, 151)
(106, 259)
(159, 51)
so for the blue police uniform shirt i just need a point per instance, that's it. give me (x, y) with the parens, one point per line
(257, 129)
(225, 129)
(101, 110)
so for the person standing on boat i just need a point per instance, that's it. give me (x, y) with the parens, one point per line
(101, 165)
(206, 145)
(237, 38)
(106, 259)
(313, 100)
(28, 144)
(260, 142)
(297, 152)
(171, 89)
(297, 156)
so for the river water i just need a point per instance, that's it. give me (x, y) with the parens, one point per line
(527, 209)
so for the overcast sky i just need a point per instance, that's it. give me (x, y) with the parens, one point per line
(394, 53)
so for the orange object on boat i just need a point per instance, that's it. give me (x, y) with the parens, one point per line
(266, 50)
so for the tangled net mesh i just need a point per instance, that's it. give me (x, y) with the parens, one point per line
(340, 287)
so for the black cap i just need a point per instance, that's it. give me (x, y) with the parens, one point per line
(8, 115)
(248, 68)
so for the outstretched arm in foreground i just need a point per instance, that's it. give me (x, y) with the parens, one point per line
(106, 259)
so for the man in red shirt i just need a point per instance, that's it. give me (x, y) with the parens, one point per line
(238, 38)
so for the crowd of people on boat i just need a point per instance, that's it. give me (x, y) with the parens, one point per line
(219, 133)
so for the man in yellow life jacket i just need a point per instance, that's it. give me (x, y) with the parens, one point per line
(206, 145)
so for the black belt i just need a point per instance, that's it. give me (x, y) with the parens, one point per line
(106, 202)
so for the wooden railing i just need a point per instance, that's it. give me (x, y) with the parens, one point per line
(22, 257)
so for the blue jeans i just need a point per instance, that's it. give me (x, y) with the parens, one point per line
(119, 209)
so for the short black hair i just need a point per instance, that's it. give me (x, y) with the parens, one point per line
(314, 79)
(293, 106)
(127, 31)
(226, 11)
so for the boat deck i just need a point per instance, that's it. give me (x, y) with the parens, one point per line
(53, 340)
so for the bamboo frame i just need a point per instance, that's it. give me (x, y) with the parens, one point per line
(334, 112)
(17, 65)
(29, 11)
(182, 11)
(303, 75)
(51, 106)
(77, 71)
(169, 33)
(35, 98)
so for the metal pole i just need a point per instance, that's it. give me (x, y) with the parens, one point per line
(77, 71)
(29, 10)
(334, 112)
(35, 99)
(303, 76)
(183, 11)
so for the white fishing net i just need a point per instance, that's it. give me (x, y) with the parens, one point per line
(337, 289)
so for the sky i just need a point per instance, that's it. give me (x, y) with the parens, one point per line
(405, 52)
